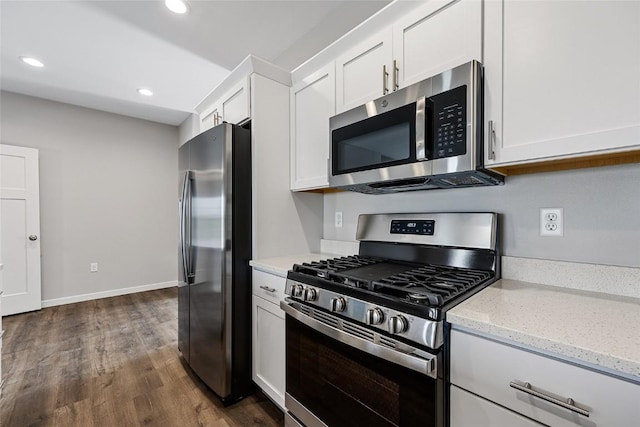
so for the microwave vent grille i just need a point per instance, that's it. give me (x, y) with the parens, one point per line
(462, 180)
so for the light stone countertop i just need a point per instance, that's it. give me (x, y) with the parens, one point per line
(281, 265)
(594, 329)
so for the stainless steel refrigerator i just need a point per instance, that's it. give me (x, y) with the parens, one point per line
(214, 287)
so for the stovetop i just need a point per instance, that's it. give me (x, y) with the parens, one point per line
(404, 284)
(429, 285)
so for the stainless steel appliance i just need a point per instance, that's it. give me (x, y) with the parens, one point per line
(214, 291)
(366, 337)
(422, 137)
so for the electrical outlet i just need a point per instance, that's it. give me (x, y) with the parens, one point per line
(93, 267)
(551, 222)
(338, 221)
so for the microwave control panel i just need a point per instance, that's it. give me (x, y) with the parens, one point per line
(449, 123)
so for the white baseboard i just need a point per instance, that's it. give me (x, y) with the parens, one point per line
(107, 294)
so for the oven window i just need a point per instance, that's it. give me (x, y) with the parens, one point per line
(384, 140)
(346, 387)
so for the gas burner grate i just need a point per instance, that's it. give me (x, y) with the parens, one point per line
(324, 267)
(430, 285)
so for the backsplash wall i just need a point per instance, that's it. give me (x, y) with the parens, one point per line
(601, 212)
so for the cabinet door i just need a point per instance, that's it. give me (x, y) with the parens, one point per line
(210, 118)
(440, 35)
(313, 102)
(467, 409)
(359, 71)
(269, 349)
(235, 104)
(562, 78)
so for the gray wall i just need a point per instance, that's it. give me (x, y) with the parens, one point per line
(601, 212)
(108, 194)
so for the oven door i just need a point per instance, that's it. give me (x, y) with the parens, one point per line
(340, 374)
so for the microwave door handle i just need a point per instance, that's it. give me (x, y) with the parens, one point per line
(421, 105)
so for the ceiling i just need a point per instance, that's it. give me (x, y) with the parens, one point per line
(98, 53)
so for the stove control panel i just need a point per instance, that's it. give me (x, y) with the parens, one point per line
(420, 227)
(417, 329)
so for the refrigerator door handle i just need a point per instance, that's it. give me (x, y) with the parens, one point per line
(185, 214)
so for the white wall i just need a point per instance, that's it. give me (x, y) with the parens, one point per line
(601, 212)
(108, 194)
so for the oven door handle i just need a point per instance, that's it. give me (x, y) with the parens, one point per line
(425, 365)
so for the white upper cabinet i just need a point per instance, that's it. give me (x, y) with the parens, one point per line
(562, 79)
(363, 72)
(236, 103)
(232, 107)
(210, 117)
(437, 37)
(312, 104)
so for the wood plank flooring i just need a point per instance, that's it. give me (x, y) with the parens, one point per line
(111, 362)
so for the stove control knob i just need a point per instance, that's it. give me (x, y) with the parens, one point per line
(338, 304)
(375, 316)
(398, 324)
(297, 291)
(310, 294)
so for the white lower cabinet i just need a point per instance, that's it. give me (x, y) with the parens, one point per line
(487, 369)
(268, 336)
(469, 410)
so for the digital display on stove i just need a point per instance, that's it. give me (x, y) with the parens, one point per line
(422, 227)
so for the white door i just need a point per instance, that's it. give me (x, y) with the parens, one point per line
(562, 78)
(440, 35)
(269, 344)
(313, 102)
(364, 72)
(20, 229)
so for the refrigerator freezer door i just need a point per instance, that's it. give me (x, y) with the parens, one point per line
(209, 313)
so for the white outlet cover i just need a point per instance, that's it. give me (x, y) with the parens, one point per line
(338, 221)
(551, 227)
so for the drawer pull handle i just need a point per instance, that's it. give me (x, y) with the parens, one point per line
(268, 289)
(565, 403)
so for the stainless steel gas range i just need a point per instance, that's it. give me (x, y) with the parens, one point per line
(366, 338)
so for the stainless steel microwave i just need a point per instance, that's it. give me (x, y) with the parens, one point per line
(425, 136)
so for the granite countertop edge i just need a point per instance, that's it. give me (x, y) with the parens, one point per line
(554, 321)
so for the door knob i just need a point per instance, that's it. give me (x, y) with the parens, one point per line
(33, 237)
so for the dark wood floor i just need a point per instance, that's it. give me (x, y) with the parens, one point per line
(111, 362)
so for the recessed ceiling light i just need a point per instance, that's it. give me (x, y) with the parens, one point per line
(31, 61)
(176, 6)
(145, 92)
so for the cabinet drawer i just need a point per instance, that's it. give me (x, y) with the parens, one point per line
(268, 286)
(470, 410)
(487, 368)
